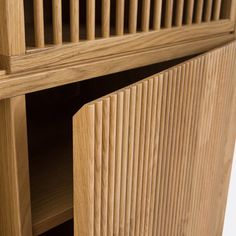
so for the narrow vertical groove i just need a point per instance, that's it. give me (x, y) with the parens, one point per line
(170, 156)
(141, 157)
(125, 139)
(106, 5)
(105, 163)
(164, 166)
(180, 79)
(119, 131)
(155, 153)
(146, 156)
(90, 19)
(195, 165)
(171, 184)
(136, 157)
(208, 10)
(179, 13)
(145, 15)
(179, 154)
(133, 14)
(74, 21)
(184, 147)
(112, 159)
(39, 23)
(130, 159)
(168, 13)
(157, 14)
(191, 152)
(120, 8)
(57, 22)
(188, 141)
(150, 153)
(98, 169)
(156, 220)
(199, 11)
(216, 9)
(189, 12)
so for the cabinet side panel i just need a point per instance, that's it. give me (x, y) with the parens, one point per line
(15, 210)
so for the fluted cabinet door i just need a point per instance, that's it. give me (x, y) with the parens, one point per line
(154, 158)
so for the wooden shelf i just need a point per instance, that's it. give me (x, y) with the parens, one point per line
(51, 189)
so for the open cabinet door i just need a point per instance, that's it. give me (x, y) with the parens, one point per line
(154, 158)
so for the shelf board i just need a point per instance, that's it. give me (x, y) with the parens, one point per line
(51, 189)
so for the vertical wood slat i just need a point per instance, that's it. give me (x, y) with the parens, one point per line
(167, 161)
(146, 156)
(208, 10)
(135, 183)
(168, 13)
(199, 11)
(90, 19)
(39, 23)
(12, 28)
(57, 21)
(189, 12)
(120, 8)
(83, 133)
(179, 12)
(15, 210)
(157, 14)
(216, 9)
(119, 130)
(141, 157)
(112, 166)
(106, 18)
(74, 21)
(125, 139)
(133, 13)
(98, 169)
(105, 164)
(131, 139)
(145, 15)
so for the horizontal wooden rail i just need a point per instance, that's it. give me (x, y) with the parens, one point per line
(116, 46)
(22, 83)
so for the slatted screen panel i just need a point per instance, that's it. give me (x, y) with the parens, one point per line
(154, 158)
(63, 21)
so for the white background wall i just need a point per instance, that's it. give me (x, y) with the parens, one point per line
(230, 216)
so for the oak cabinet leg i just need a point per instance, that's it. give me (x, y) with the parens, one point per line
(15, 210)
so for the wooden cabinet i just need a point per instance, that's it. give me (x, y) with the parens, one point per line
(116, 116)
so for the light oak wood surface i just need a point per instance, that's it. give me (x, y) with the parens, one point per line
(22, 83)
(15, 210)
(90, 51)
(181, 163)
(12, 30)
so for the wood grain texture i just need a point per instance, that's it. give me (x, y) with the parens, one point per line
(18, 84)
(74, 21)
(112, 47)
(133, 13)
(157, 14)
(39, 24)
(57, 21)
(12, 29)
(15, 210)
(186, 134)
(106, 5)
(51, 188)
(90, 19)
